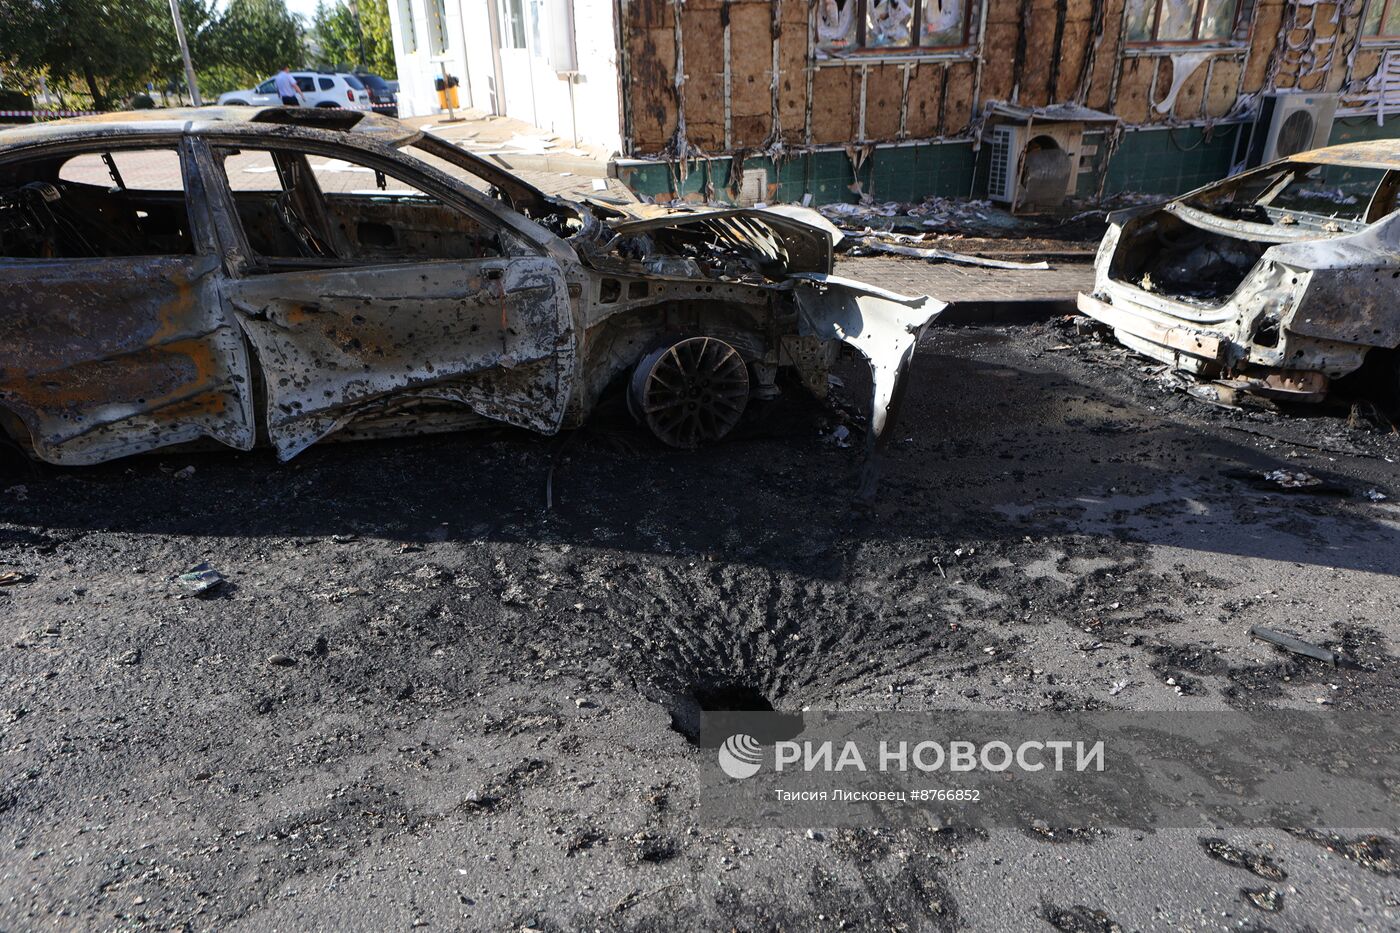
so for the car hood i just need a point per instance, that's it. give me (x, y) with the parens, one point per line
(778, 241)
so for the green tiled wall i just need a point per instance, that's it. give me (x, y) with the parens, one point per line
(1149, 161)
(1171, 161)
(1360, 129)
(897, 173)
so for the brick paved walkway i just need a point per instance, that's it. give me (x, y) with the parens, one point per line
(971, 284)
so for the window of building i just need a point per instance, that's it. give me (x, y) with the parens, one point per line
(437, 27)
(1157, 21)
(408, 27)
(1382, 19)
(881, 25)
(512, 24)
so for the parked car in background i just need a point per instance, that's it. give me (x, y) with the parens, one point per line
(320, 89)
(383, 98)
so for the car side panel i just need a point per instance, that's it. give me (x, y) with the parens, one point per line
(101, 358)
(333, 345)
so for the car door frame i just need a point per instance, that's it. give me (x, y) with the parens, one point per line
(178, 338)
(515, 282)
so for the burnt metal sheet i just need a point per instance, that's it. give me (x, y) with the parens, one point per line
(495, 335)
(181, 120)
(102, 358)
(1371, 153)
(773, 239)
(883, 326)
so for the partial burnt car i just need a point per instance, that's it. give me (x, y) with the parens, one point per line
(1276, 281)
(238, 295)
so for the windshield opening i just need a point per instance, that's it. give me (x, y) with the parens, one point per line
(1294, 193)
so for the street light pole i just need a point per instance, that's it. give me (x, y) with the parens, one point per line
(185, 52)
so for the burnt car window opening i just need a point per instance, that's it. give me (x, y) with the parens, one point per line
(101, 203)
(1294, 193)
(295, 207)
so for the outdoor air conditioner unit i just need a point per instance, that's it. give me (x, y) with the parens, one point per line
(1290, 123)
(1035, 166)
(1003, 180)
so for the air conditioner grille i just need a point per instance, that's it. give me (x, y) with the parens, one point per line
(1296, 133)
(999, 180)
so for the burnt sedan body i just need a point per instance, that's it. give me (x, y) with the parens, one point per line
(1274, 282)
(237, 295)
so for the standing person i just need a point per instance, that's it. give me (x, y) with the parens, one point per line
(287, 88)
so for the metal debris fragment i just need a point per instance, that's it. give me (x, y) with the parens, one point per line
(1295, 644)
(200, 580)
(934, 255)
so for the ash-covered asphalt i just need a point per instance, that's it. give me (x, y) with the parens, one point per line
(421, 699)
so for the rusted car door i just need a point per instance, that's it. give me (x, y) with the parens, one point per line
(113, 340)
(398, 293)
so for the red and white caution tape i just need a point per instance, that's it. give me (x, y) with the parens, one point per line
(49, 113)
(59, 114)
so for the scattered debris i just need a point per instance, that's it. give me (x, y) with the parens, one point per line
(12, 577)
(1078, 919)
(1265, 898)
(184, 473)
(282, 660)
(1235, 857)
(1378, 854)
(1291, 481)
(871, 244)
(1295, 645)
(200, 580)
(1375, 495)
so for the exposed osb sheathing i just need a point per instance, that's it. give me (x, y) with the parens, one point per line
(1033, 52)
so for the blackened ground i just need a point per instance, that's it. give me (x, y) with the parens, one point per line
(422, 699)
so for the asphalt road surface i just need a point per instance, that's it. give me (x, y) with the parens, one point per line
(422, 699)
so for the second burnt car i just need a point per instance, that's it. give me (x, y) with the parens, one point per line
(281, 276)
(1276, 281)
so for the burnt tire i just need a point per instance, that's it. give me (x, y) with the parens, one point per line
(690, 392)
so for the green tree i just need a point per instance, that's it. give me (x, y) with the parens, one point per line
(354, 35)
(112, 49)
(255, 38)
(336, 35)
(379, 38)
(108, 48)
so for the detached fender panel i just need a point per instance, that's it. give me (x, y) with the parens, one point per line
(883, 325)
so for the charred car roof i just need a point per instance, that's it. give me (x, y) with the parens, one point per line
(193, 120)
(1372, 153)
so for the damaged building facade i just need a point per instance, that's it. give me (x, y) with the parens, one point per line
(776, 100)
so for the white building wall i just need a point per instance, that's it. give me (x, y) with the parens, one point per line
(419, 64)
(531, 89)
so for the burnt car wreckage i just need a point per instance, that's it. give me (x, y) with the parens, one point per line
(1274, 282)
(277, 312)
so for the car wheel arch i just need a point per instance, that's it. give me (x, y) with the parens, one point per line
(613, 347)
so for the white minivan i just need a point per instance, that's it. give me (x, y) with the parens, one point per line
(320, 89)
